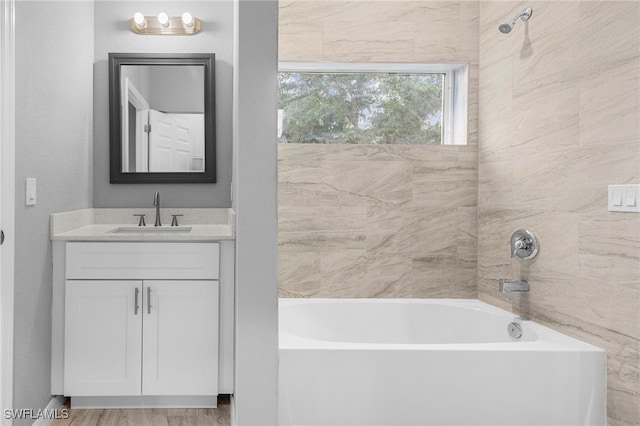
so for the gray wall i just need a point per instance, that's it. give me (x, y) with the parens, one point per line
(54, 81)
(112, 35)
(177, 89)
(255, 157)
(139, 77)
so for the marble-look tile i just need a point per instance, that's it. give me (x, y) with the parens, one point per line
(384, 272)
(310, 173)
(473, 124)
(366, 182)
(545, 116)
(495, 184)
(301, 155)
(436, 42)
(300, 41)
(467, 233)
(608, 33)
(445, 184)
(434, 276)
(568, 109)
(609, 253)
(358, 11)
(302, 10)
(421, 153)
(548, 48)
(322, 241)
(312, 218)
(340, 152)
(299, 274)
(344, 273)
(357, 41)
(396, 231)
(299, 194)
(608, 111)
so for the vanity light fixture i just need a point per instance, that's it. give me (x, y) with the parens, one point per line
(139, 21)
(163, 19)
(163, 24)
(187, 20)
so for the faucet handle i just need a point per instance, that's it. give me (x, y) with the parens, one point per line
(141, 222)
(524, 245)
(174, 221)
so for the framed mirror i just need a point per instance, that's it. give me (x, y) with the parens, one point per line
(162, 118)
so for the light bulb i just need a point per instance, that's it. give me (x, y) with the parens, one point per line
(163, 19)
(187, 20)
(139, 20)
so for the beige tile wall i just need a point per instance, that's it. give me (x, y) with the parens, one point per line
(379, 221)
(559, 121)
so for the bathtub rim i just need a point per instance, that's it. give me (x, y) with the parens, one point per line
(547, 338)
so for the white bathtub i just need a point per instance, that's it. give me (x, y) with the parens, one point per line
(431, 362)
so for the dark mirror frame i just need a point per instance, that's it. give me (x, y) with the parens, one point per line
(116, 60)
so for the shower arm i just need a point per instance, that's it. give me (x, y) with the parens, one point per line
(524, 15)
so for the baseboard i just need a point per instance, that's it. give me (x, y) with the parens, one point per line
(143, 401)
(55, 404)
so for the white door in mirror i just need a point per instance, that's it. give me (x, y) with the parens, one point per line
(173, 140)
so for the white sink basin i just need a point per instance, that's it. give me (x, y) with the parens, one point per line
(151, 229)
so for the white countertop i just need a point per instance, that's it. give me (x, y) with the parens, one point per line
(100, 224)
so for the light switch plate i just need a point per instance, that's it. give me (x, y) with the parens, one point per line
(624, 198)
(30, 192)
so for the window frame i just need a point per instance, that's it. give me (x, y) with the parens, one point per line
(455, 91)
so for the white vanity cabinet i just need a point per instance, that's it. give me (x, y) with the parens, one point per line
(103, 338)
(141, 323)
(180, 338)
(146, 337)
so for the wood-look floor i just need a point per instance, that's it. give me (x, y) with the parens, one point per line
(152, 417)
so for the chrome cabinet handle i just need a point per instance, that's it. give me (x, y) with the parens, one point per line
(148, 300)
(136, 305)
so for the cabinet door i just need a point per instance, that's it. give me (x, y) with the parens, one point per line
(103, 338)
(180, 338)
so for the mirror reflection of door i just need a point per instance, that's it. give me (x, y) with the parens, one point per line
(175, 142)
(135, 116)
(163, 127)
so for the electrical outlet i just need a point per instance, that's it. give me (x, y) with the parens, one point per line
(624, 198)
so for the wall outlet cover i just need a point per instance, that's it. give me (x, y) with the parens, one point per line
(624, 198)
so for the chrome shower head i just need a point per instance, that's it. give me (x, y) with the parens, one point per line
(506, 27)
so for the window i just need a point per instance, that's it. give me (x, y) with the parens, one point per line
(398, 104)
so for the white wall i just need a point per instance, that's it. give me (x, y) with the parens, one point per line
(255, 158)
(54, 80)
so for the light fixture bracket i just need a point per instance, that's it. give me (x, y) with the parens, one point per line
(176, 26)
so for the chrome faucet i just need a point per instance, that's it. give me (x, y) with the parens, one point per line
(156, 202)
(507, 286)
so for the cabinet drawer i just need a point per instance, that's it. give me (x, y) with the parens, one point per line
(138, 260)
